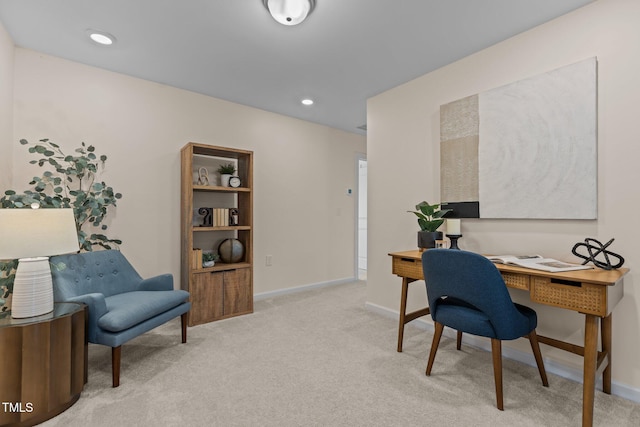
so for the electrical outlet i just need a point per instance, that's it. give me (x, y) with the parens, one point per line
(268, 260)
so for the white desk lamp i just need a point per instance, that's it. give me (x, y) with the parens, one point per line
(32, 235)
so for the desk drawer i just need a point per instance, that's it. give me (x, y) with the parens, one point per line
(517, 281)
(408, 267)
(577, 296)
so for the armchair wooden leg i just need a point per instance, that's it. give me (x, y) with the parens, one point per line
(115, 365)
(496, 351)
(183, 322)
(533, 339)
(437, 334)
(459, 340)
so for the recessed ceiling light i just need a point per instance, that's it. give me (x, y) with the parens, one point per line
(307, 101)
(101, 37)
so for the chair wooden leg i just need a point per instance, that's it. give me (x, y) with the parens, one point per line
(459, 340)
(183, 322)
(496, 351)
(437, 334)
(535, 346)
(115, 365)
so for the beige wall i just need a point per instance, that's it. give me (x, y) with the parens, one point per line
(6, 107)
(403, 129)
(302, 215)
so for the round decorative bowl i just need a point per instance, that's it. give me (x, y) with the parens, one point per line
(231, 250)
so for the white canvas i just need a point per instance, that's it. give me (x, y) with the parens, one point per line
(537, 149)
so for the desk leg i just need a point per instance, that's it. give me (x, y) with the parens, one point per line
(590, 364)
(403, 310)
(605, 330)
(404, 316)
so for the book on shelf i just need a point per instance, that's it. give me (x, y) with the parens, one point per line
(224, 217)
(537, 262)
(219, 217)
(196, 260)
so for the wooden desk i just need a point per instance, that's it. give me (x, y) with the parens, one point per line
(593, 293)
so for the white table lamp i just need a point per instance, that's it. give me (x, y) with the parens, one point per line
(32, 235)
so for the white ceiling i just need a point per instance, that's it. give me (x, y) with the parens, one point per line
(344, 53)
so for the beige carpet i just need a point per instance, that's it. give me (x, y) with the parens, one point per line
(319, 358)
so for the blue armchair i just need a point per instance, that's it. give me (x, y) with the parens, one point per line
(466, 292)
(121, 305)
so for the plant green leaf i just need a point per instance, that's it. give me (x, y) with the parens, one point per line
(429, 216)
(65, 186)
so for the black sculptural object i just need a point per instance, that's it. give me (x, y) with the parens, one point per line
(207, 220)
(595, 248)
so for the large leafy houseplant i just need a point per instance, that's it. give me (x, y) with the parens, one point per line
(70, 181)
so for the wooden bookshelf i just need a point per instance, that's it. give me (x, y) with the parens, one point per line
(226, 289)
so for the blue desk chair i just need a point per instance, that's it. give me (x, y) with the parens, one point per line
(121, 305)
(466, 292)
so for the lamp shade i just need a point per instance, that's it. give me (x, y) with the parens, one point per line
(37, 232)
(289, 12)
(32, 235)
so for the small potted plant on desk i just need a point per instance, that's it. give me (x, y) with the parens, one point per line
(430, 217)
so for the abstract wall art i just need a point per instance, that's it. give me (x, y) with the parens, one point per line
(524, 150)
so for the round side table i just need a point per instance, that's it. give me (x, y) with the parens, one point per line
(43, 364)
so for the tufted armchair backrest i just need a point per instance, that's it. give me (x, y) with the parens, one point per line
(104, 272)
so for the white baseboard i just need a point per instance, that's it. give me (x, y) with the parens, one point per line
(552, 366)
(280, 292)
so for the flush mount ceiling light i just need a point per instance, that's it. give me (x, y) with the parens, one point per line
(307, 101)
(101, 37)
(289, 12)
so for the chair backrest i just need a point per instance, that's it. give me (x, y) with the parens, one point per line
(105, 272)
(474, 279)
